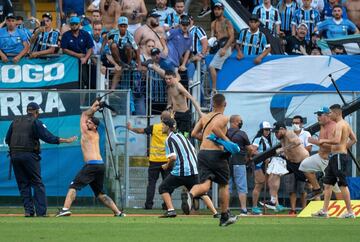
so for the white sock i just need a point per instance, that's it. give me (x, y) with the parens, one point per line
(273, 199)
(65, 209)
(171, 209)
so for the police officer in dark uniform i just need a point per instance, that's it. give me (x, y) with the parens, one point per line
(23, 139)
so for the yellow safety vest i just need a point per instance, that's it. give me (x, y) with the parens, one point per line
(157, 144)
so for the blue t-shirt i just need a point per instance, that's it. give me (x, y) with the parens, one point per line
(178, 45)
(331, 30)
(12, 42)
(78, 44)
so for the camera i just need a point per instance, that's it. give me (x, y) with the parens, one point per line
(42, 23)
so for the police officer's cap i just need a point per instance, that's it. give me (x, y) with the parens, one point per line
(33, 106)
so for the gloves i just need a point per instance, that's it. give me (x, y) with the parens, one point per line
(229, 146)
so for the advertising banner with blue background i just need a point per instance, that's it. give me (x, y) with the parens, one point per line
(60, 112)
(55, 72)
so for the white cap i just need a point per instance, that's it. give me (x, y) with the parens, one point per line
(265, 125)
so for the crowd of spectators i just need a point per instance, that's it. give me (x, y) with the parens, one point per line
(129, 36)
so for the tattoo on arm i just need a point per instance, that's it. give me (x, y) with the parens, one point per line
(106, 200)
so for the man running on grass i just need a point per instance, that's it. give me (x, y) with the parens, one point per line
(343, 139)
(213, 161)
(93, 171)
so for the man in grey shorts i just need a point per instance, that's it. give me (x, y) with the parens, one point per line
(319, 161)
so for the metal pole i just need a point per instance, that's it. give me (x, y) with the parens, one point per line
(127, 177)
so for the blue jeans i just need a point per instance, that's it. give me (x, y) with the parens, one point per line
(238, 178)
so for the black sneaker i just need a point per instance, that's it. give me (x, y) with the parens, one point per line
(63, 213)
(121, 214)
(216, 215)
(204, 12)
(169, 214)
(231, 219)
(314, 194)
(186, 202)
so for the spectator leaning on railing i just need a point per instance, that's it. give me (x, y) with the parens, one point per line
(77, 42)
(336, 27)
(13, 41)
(45, 39)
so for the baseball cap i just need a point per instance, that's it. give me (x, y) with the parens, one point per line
(74, 20)
(184, 20)
(278, 125)
(123, 20)
(254, 17)
(302, 24)
(47, 15)
(155, 51)
(322, 110)
(153, 13)
(219, 5)
(10, 15)
(33, 106)
(265, 125)
(170, 122)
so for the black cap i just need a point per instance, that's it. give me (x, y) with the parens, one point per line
(254, 17)
(170, 122)
(33, 106)
(278, 125)
(218, 5)
(10, 15)
(155, 51)
(95, 120)
(184, 20)
(47, 15)
(153, 13)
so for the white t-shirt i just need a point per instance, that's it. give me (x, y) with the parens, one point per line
(304, 137)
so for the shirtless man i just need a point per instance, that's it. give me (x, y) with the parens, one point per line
(177, 102)
(110, 11)
(341, 141)
(222, 29)
(151, 30)
(212, 160)
(135, 11)
(294, 152)
(93, 171)
(318, 162)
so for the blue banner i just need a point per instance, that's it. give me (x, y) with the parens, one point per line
(51, 72)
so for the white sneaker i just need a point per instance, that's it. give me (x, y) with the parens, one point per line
(347, 215)
(320, 214)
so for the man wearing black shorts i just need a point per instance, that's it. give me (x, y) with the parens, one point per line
(93, 171)
(213, 161)
(182, 163)
(342, 140)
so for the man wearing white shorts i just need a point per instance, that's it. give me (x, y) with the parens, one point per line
(319, 161)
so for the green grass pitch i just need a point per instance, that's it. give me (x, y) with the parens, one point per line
(182, 228)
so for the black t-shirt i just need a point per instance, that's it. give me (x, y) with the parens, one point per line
(5, 8)
(292, 46)
(239, 137)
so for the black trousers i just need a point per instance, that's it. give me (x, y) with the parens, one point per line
(153, 175)
(27, 172)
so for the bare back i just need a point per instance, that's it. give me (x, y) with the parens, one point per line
(176, 98)
(326, 132)
(344, 130)
(294, 151)
(220, 121)
(89, 141)
(111, 15)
